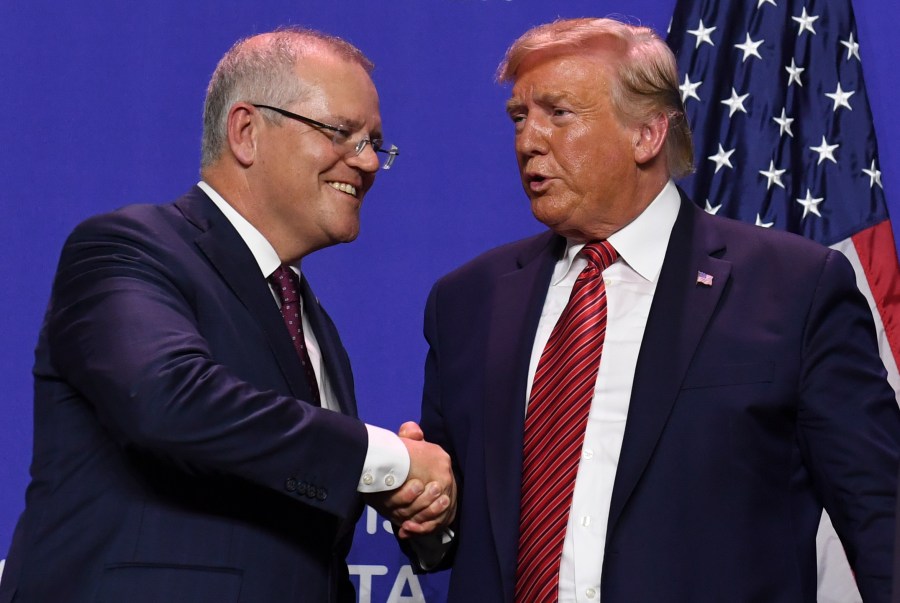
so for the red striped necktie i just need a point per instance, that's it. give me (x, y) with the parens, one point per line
(286, 284)
(554, 428)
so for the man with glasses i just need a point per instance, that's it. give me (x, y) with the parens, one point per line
(196, 435)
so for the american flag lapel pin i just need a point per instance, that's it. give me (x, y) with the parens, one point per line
(704, 279)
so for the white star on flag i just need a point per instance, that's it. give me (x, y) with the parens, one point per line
(806, 22)
(840, 97)
(873, 173)
(759, 222)
(702, 34)
(689, 89)
(784, 124)
(773, 175)
(852, 47)
(721, 158)
(794, 73)
(825, 151)
(735, 103)
(810, 205)
(750, 48)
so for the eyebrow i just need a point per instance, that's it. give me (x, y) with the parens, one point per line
(544, 99)
(353, 125)
(513, 105)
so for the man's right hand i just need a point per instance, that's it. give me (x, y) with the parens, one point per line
(427, 500)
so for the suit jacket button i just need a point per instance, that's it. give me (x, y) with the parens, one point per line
(301, 488)
(291, 484)
(323, 494)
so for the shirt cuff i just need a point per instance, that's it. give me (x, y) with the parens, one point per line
(431, 548)
(387, 462)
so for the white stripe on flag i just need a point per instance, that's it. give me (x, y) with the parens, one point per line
(835, 582)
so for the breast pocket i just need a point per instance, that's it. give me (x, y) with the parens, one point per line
(728, 374)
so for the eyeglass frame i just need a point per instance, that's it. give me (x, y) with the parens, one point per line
(376, 143)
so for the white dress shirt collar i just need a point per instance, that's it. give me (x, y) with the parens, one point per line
(642, 243)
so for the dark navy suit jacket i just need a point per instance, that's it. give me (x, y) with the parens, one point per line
(756, 401)
(174, 457)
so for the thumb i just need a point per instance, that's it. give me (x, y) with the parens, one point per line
(411, 430)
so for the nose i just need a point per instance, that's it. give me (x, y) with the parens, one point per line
(532, 136)
(367, 160)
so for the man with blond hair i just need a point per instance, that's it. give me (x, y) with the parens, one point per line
(647, 403)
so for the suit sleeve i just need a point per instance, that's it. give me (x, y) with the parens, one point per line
(849, 425)
(123, 332)
(435, 552)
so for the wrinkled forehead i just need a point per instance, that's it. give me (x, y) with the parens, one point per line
(339, 90)
(606, 51)
(548, 76)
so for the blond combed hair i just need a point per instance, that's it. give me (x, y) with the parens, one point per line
(646, 82)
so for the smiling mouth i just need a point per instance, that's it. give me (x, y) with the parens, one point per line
(343, 187)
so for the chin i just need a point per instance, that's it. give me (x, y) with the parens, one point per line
(547, 213)
(348, 236)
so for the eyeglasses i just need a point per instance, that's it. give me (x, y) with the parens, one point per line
(340, 138)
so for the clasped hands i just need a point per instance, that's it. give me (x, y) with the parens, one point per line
(427, 500)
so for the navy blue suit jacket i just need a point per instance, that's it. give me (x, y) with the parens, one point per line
(756, 401)
(174, 456)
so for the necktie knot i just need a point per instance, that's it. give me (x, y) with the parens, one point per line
(286, 284)
(600, 254)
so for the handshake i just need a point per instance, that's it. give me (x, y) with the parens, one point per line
(426, 502)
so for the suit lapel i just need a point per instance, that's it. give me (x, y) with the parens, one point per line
(516, 308)
(681, 309)
(229, 255)
(334, 357)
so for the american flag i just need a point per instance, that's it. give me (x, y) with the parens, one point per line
(784, 138)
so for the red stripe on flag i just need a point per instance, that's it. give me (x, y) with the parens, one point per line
(878, 257)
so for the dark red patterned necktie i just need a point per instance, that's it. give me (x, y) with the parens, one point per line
(287, 286)
(554, 428)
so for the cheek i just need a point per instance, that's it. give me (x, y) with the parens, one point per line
(602, 162)
(577, 149)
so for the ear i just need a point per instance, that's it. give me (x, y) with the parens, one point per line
(650, 138)
(242, 129)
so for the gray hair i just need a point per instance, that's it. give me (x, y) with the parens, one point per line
(647, 82)
(260, 69)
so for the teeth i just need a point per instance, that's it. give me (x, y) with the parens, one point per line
(344, 187)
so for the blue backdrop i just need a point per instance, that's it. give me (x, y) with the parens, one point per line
(101, 106)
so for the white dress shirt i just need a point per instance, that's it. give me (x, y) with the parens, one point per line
(630, 284)
(387, 462)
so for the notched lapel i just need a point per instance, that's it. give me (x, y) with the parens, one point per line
(681, 309)
(229, 255)
(518, 298)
